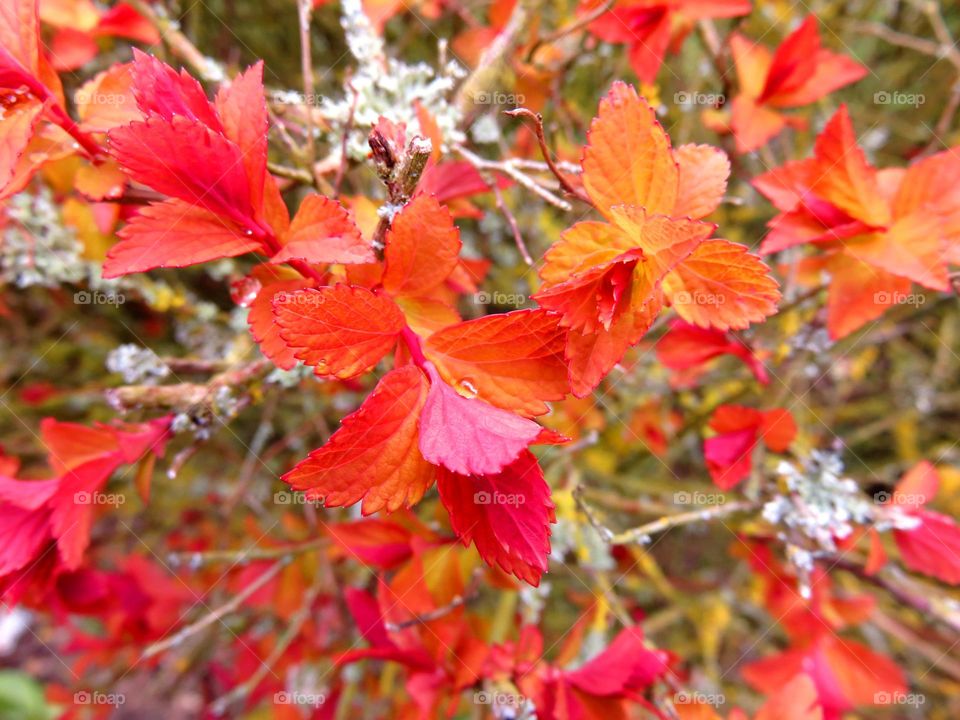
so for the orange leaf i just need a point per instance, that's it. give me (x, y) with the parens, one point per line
(911, 248)
(845, 178)
(797, 700)
(753, 124)
(859, 293)
(722, 286)
(264, 326)
(107, 100)
(323, 232)
(339, 330)
(582, 247)
(16, 128)
(703, 172)
(103, 180)
(591, 356)
(512, 360)
(174, 234)
(422, 246)
(628, 158)
(373, 456)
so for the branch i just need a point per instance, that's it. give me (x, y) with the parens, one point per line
(642, 533)
(509, 168)
(296, 623)
(400, 175)
(212, 617)
(542, 140)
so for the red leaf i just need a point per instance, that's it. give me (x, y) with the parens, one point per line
(164, 93)
(933, 547)
(242, 109)
(506, 515)
(174, 234)
(470, 436)
(322, 231)
(685, 347)
(373, 456)
(512, 360)
(339, 330)
(738, 429)
(264, 326)
(186, 160)
(422, 246)
(626, 664)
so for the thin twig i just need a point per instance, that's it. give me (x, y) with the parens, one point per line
(347, 129)
(244, 557)
(215, 615)
(547, 156)
(304, 14)
(580, 22)
(511, 221)
(643, 533)
(290, 633)
(508, 169)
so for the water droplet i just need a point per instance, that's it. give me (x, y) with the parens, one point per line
(248, 232)
(467, 388)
